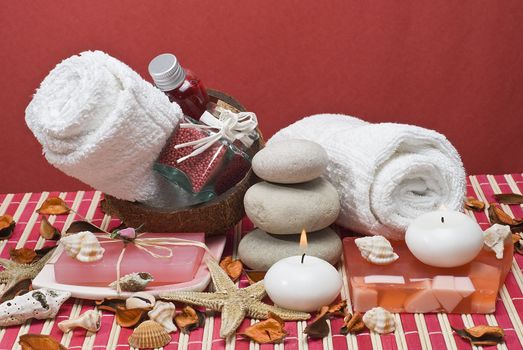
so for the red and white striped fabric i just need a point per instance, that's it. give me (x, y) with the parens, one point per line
(413, 332)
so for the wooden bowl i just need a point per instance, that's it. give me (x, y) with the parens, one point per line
(214, 217)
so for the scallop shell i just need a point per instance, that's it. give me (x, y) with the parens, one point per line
(376, 249)
(494, 238)
(379, 320)
(40, 304)
(89, 320)
(140, 300)
(134, 282)
(163, 313)
(83, 246)
(149, 334)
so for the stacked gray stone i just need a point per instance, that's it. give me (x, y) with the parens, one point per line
(291, 198)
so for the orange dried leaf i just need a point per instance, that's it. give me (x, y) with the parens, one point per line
(472, 203)
(22, 255)
(254, 276)
(269, 331)
(110, 304)
(189, 319)
(353, 324)
(48, 231)
(53, 206)
(233, 268)
(7, 226)
(482, 335)
(39, 342)
(338, 309)
(129, 317)
(498, 216)
(318, 328)
(509, 198)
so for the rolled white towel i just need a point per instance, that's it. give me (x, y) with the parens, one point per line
(100, 122)
(386, 174)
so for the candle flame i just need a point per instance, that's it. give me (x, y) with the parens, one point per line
(303, 240)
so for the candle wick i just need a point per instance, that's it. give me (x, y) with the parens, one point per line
(302, 257)
(442, 220)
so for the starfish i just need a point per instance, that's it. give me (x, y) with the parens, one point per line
(14, 272)
(234, 303)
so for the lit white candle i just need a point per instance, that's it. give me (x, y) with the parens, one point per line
(444, 238)
(302, 283)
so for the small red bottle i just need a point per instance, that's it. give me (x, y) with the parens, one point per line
(180, 85)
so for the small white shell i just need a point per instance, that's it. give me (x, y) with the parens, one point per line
(376, 249)
(134, 282)
(40, 304)
(140, 300)
(89, 320)
(163, 313)
(494, 238)
(379, 320)
(83, 246)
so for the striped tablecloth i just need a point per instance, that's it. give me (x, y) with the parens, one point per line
(414, 331)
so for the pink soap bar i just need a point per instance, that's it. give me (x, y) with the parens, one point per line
(408, 285)
(181, 267)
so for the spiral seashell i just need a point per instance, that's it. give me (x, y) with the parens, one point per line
(83, 246)
(163, 313)
(140, 300)
(376, 249)
(134, 282)
(89, 320)
(149, 334)
(379, 320)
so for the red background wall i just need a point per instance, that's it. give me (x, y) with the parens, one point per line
(454, 66)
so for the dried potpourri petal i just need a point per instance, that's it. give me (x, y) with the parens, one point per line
(109, 304)
(233, 268)
(482, 335)
(189, 319)
(509, 198)
(254, 276)
(79, 226)
(472, 203)
(319, 328)
(353, 324)
(48, 231)
(54, 206)
(23, 255)
(39, 342)
(129, 317)
(7, 226)
(338, 308)
(272, 330)
(21, 287)
(498, 216)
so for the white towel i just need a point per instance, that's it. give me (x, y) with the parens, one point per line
(386, 174)
(100, 122)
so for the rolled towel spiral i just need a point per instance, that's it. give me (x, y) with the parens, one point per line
(386, 174)
(100, 122)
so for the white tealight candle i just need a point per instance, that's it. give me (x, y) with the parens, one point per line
(444, 238)
(302, 283)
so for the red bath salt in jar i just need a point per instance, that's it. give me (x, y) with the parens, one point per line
(206, 170)
(179, 84)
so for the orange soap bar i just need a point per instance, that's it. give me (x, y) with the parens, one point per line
(408, 285)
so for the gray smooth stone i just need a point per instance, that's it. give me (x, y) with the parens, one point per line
(290, 162)
(287, 209)
(260, 250)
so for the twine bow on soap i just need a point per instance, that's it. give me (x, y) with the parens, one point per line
(230, 126)
(130, 236)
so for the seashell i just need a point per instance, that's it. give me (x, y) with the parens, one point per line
(149, 334)
(140, 300)
(376, 249)
(83, 246)
(494, 238)
(40, 304)
(134, 282)
(89, 320)
(163, 313)
(379, 320)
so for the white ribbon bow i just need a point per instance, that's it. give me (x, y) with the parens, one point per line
(231, 126)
